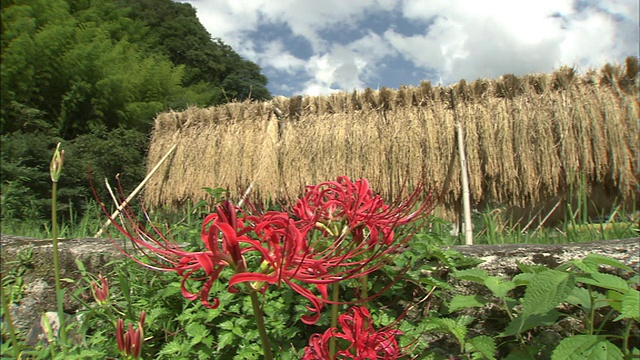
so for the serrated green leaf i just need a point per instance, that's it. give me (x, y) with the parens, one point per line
(197, 332)
(499, 287)
(597, 259)
(522, 324)
(605, 281)
(523, 279)
(484, 345)
(466, 301)
(431, 281)
(615, 300)
(171, 289)
(630, 308)
(475, 275)
(588, 268)
(449, 326)
(546, 290)
(226, 325)
(531, 269)
(586, 347)
(224, 339)
(172, 348)
(579, 297)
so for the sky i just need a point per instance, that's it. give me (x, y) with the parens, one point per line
(308, 47)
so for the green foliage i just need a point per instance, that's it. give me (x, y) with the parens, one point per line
(590, 347)
(179, 329)
(210, 64)
(580, 283)
(94, 75)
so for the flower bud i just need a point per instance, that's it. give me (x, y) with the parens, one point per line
(101, 291)
(56, 164)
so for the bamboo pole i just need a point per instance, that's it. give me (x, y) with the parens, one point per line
(466, 195)
(546, 217)
(135, 192)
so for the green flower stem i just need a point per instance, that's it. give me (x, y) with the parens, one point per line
(364, 289)
(625, 338)
(258, 314)
(56, 266)
(15, 345)
(334, 318)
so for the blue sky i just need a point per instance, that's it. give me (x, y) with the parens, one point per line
(318, 47)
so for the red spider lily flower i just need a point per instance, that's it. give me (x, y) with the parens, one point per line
(365, 342)
(221, 235)
(294, 256)
(100, 292)
(284, 247)
(130, 342)
(353, 203)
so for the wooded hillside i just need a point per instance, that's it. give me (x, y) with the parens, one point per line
(94, 74)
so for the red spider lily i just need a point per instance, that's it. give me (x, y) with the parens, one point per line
(283, 249)
(221, 234)
(130, 342)
(293, 256)
(365, 342)
(353, 203)
(100, 292)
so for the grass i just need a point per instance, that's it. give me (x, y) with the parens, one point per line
(490, 226)
(179, 329)
(73, 225)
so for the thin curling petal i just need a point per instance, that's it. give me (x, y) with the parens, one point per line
(364, 341)
(337, 231)
(220, 236)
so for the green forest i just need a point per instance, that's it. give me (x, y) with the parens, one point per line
(93, 74)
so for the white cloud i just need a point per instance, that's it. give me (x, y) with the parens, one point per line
(276, 56)
(486, 39)
(460, 38)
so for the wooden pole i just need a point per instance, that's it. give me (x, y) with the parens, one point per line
(135, 192)
(466, 195)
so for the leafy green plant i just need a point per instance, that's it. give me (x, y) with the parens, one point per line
(12, 280)
(601, 298)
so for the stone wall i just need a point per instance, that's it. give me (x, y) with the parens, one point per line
(39, 286)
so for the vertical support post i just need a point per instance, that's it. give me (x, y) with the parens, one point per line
(466, 195)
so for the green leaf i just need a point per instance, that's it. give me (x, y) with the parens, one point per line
(225, 339)
(466, 301)
(546, 291)
(523, 279)
(499, 287)
(227, 325)
(521, 323)
(520, 354)
(588, 268)
(484, 345)
(630, 306)
(172, 348)
(531, 269)
(586, 347)
(81, 267)
(597, 259)
(580, 297)
(615, 300)
(449, 326)
(197, 332)
(475, 275)
(605, 281)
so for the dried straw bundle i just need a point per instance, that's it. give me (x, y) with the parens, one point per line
(527, 139)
